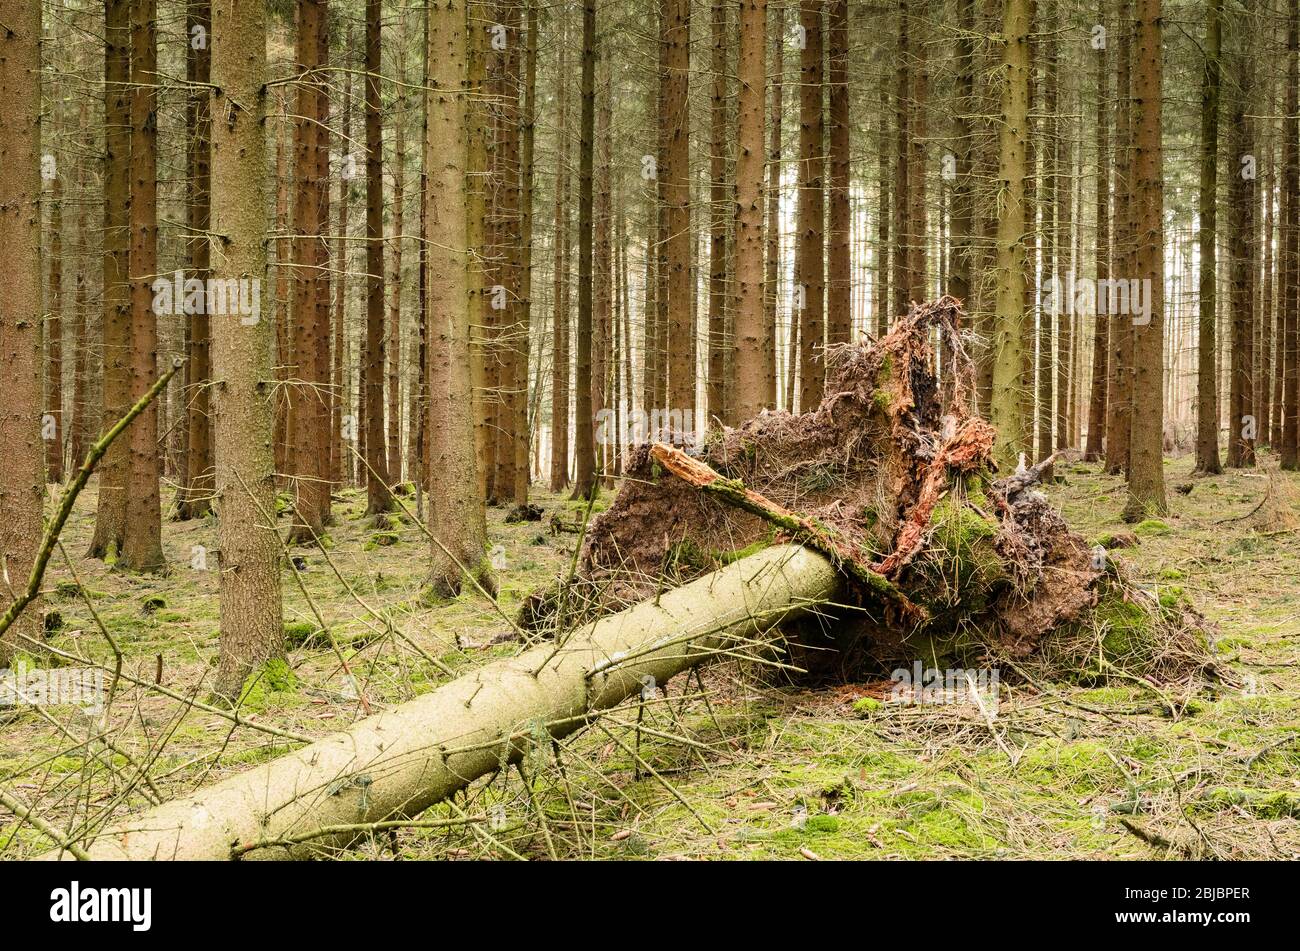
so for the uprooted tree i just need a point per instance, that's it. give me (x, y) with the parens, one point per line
(862, 534)
(892, 477)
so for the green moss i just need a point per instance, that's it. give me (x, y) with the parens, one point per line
(1128, 635)
(385, 539)
(975, 488)
(1233, 642)
(965, 572)
(1171, 597)
(21, 661)
(687, 557)
(1110, 540)
(297, 633)
(822, 824)
(67, 590)
(1081, 766)
(880, 400)
(727, 557)
(66, 764)
(1151, 527)
(865, 706)
(273, 685)
(1172, 574)
(948, 822)
(1119, 694)
(1262, 805)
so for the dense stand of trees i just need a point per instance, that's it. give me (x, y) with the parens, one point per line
(623, 220)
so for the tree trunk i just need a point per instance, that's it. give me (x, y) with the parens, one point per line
(306, 394)
(1006, 407)
(902, 254)
(718, 211)
(480, 320)
(560, 292)
(917, 210)
(52, 422)
(1048, 317)
(753, 336)
(1119, 392)
(401, 762)
(456, 513)
(772, 275)
(810, 257)
(680, 327)
(22, 484)
(1289, 264)
(114, 471)
(252, 630)
(1066, 175)
(1093, 450)
(340, 441)
(505, 254)
(1207, 392)
(323, 274)
(142, 538)
(839, 273)
(417, 388)
(193, 498)
(393, 329)
(602, 279)
(884, 300)
(584, 484)
(1270, 412)
(284, 284)
(524, 266)
(1243, 197)
(1146, 470)
(963, 211)
(378, 498)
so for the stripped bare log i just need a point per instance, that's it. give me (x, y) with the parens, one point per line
(400, 762)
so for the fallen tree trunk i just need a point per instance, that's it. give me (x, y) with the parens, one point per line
(400, 762)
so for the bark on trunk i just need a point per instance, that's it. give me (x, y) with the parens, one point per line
(110, 516)
(142, 537)
(22, 486)
(194, 497)
(378, 498)
(810, 256)
(252, 629)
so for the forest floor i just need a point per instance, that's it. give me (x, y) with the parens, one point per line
(721, 767)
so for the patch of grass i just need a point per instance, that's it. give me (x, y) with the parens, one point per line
(1150, 527)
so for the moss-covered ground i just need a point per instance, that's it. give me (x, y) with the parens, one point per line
(719, 767)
